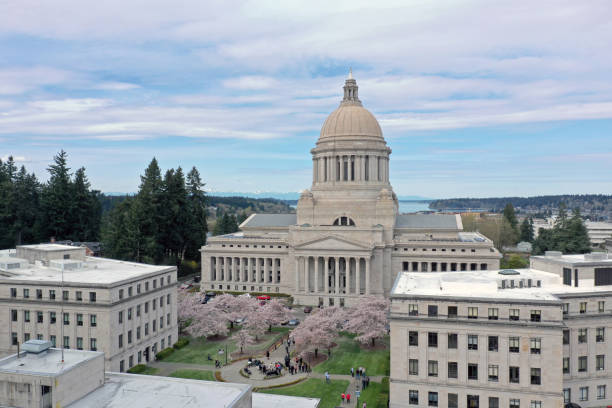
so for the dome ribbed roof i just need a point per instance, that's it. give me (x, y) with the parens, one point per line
(351, 118)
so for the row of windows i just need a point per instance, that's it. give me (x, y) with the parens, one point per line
(130, 290)
(583, 393)
(535, 343)
(40, 317)
(78, 295)
(140, 355)
(254, 246)
(582, 307)
(600, 335)
(472, 371)
(244, 288)
(436, 249)
(146, 330)
(473, 401)
(129, 312)
(600, 363)
(93, 342)
(415, 266)
(472, 312)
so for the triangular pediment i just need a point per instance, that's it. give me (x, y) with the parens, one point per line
(333, 242)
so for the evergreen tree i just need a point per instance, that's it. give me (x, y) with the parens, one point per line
(510, 215)
(86, 209)
(197, 211)
(526, 231)
(148, 215)
(579, 241)
(57, 200)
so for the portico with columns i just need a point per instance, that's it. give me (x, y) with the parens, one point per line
(347, 238)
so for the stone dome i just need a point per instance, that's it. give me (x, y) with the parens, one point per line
(351, 119)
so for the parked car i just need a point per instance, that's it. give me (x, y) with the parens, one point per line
(240, 320)
(293, 322)
(211, 294)
(185, 286)
(263, 297)
(308, 309)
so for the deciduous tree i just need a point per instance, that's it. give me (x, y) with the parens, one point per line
(368, 320)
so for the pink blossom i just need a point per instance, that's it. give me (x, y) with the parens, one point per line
(368, 320)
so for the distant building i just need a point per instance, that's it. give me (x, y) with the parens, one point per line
(347, 238)
(57, 293)
(598, 231)
(38, 378)
(509, 338)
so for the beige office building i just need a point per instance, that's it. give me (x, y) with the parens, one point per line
(347, 238)
(56, 293)
(510, 338)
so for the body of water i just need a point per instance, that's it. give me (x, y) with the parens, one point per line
(413, 206)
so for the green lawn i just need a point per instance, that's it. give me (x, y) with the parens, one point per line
(373, 395)
(197, 351)
(194, 374)
(349, 354)
(315, 388)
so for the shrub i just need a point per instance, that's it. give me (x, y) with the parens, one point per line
(137, 369)
(164, 353)
(182, 342)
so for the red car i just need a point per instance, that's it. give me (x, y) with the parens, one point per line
(263, 297)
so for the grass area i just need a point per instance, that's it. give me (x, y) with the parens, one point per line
(197, 351)
(194, 374)
(143, 369)
(315, 388)
(375, 395)
(349, 354)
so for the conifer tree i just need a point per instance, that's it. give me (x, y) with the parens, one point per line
(526, 233)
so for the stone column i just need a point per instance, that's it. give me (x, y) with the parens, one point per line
(326, 274)
(358, 276)
(316, 272)
(347, 273)
(297, 274)
(367, 276)
(337, 273)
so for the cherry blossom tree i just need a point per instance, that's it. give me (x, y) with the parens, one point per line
(318, 330)
(274, 312)
(234, 307)
(368, 320)
(199, 319)
(243, 339)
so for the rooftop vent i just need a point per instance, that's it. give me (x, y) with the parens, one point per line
(36, 346)
(509, 272)
(596, 256)
(553, 254)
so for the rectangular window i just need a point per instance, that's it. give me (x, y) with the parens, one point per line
(472, 342)
(493, 313)
(493, 343)
(129, 337)
(535, 404)
(52, 294)
(432, 368)
(567, 276)
(413, 367)
(137, 310)
(452, 312)
(432, 399)
(493, 402)
(432, 310)
(13, 292)
(65, 295)
(79, 319)
(38, 293)
(536, 315)
(26, 293)
(601, 392)
(584, 393)
(514, 314)
(130, 291)
(514, 344)
(493, 372)
(120, 340)
(566, 336)
(66, 342)
(78, 295)
(92, 296)
(52, 317)
(566, 365)
(473, 401)
(536, 376)
(567, 395)
(472, 371)
(600, 362)
(452, 340)
(582, 335)
(121, 317)
(432, 339)
(472, 313)
(535, 345)
(39, 317)
(122, 366)
(452, 369)
(120, 293)
(129, 313)
(600, 334)
(515, 403)
(513, 374)
(26, 316)
(14, 315)
(146, 329)
(14, 339)
(566, 309)
(453, 400)
(601, 306)
(413, 397)
(93, 320)
(583, 307)
(582, 364)
(138, 333)
(146, 307)
(66, 319)
(79, 344)
(53, 340)
(413, 338)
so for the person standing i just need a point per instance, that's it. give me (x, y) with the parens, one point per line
(352, 372)
(364, 405)
(348, 398)
(342, 397)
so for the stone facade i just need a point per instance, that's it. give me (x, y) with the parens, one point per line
(347, 238)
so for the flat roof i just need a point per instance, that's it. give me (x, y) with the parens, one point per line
(50, 247)
(94, 271)
(47, 363)
(487, 285)
(147, 391)
(269, 221)
(428, 221)
(261, 400)
(578, 259)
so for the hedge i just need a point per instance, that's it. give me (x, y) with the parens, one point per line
(182, 342)
(137, 369)
(164, 353)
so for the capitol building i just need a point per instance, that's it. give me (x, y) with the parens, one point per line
(347, 238)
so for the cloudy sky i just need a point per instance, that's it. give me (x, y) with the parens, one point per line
(476, 98)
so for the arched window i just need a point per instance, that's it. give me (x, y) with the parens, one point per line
(344, 221)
